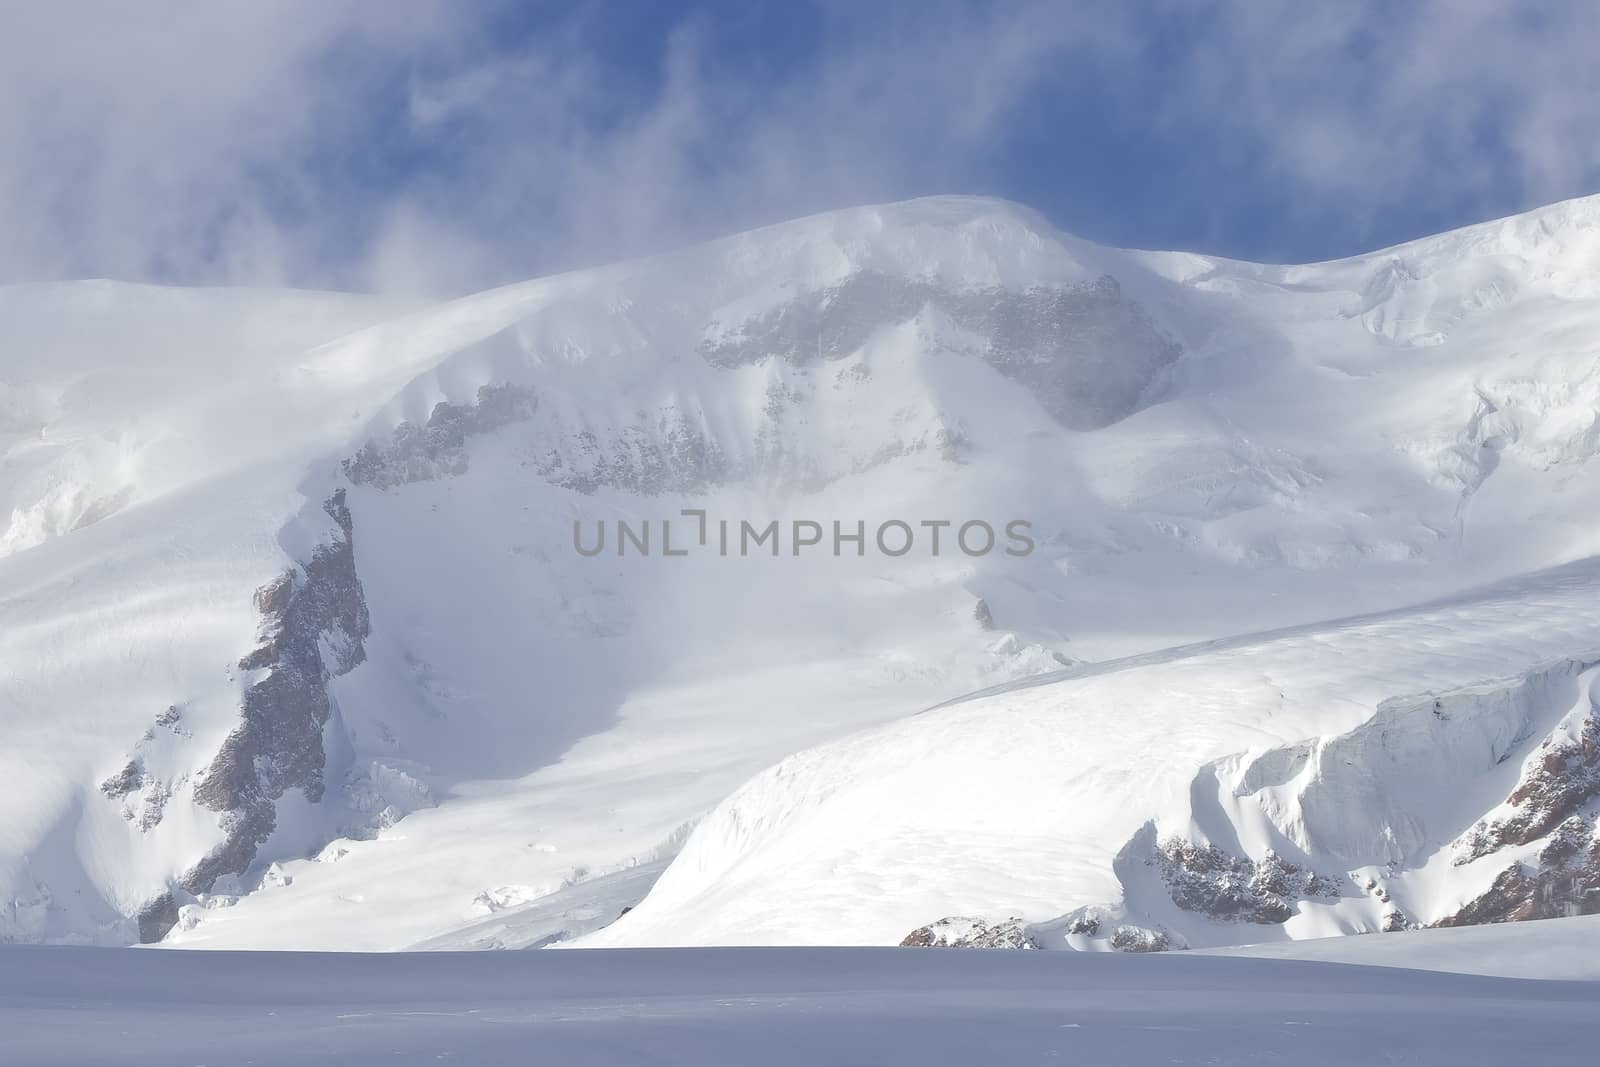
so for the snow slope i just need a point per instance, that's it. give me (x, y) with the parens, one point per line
(1564, 949)
(298, 651)
(1360, 750)
(778, 1006)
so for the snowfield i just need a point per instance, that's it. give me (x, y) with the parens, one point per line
(296, 650)
(1549, 949)
(778, 1006)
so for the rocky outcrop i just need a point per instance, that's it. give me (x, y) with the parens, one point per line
(314, 623)
(1552, 807)
(672, 455)
(156, 918)
(965, 932)
(1564, 778)
(1128, 938)
(125, 781)
(142, 794)
(1013, 933)
(1087, 352)
(667, 452)
(1564, 879)
(438, 447)
(1205, 879)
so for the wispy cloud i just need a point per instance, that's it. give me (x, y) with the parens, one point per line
(179, 138)
(1380, 110)
(433, 146)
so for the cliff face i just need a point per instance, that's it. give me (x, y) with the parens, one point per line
(1088, 352)
(313, 625)
(1551, 808)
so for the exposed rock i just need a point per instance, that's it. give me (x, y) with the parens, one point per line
(1564, 778)
(1140, 939)
(828, 324)
(1104, 926)
(1086, 925)
(963, 932)
(1086, 352)
(157, 918)
(669, 450)
(278, 744)
(1395, 920)
(672, 455)
(1232, 888)
(980, 612)
(144, 796)
(152, 805)
(125, 781)
(438, 448)
(667, 453)
(1563, 880)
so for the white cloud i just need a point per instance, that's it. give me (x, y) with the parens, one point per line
(257, 143)
(171, 137)
(1493, 105)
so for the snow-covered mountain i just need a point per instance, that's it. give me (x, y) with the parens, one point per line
(300, 646)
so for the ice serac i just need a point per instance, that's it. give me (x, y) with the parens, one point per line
(313, 625)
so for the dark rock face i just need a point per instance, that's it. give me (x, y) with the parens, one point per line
(1563, 780)
(960, 932)
(1551, 803)
(125, 781)
(1086, 352)
(828, 324)
(672, 456)
(1232, 888)
(1563, 880)
(278, 744)
(156, 918)
(438, 448)
(142, 795)
(666, 454)
(1086, 925)
(1140, 939)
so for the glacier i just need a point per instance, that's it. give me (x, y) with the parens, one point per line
(297, 652)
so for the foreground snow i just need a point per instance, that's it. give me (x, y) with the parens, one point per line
(1552, 948)
(769, 1006)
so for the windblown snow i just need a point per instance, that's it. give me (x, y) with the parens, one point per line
(299, 648)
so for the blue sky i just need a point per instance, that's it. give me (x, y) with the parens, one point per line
(435, 146)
